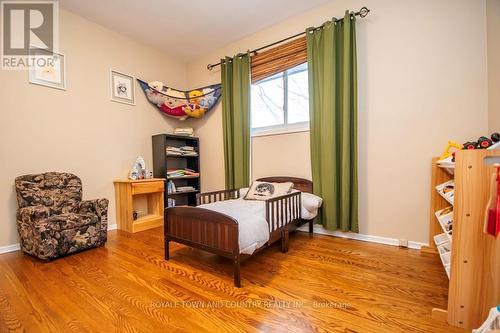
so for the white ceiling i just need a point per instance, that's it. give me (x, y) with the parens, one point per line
(186, 29)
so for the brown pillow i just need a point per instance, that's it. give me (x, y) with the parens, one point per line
(264, 190)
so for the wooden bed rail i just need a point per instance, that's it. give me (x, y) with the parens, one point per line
(282, 212)
(210, 197)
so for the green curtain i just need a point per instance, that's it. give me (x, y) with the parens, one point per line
(331, 56)
(235, 78)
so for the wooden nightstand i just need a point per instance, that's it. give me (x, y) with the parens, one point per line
(126, 191)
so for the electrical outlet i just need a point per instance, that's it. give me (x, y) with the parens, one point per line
(403, 242)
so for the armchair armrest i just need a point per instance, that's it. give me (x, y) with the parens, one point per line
(100, 208)
(31, 214)
(97, 206)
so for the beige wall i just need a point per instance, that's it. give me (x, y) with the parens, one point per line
(284, 154)
(493, 26)
(80, 130)
(421, 72)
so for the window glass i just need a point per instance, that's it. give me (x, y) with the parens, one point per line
(267, 102)
(298, 96)
(268, 108)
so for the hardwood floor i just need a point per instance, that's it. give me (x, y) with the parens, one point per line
(323, 284)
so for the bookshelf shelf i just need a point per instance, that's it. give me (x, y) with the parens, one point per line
(163, 161)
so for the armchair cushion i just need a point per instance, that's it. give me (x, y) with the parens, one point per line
(66, 221)
(60, 235)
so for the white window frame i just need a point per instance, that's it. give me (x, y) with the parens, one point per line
(285, 127)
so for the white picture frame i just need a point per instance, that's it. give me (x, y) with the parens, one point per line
(48, 69)
(122, 87)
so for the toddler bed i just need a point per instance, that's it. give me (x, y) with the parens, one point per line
(225, 224)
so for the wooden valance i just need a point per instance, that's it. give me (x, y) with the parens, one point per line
(279, 59)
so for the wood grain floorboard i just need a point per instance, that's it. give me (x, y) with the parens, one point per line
(323, 284)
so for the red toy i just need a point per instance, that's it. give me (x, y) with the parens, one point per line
(492, 223)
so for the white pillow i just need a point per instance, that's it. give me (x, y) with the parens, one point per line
(311, 202)
(244, 191)
(307, 215)
(265, 190)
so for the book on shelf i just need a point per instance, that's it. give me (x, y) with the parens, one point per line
(177, 173)
(447, 191)
(173, 153)
(185, 189)
(181, 151)
(171, 187)
(184, 131)
(445, 219)
(447, 164)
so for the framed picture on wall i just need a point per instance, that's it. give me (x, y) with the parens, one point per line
(48, 69)
(122, 88)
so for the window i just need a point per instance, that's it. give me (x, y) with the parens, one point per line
(280, 103)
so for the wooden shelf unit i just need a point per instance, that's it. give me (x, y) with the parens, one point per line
(163, 161)
(126, 191)
(474, 286)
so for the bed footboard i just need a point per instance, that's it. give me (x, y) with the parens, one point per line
(282, 213)
(206, 230)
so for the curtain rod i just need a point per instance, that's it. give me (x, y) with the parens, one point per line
(361, 13)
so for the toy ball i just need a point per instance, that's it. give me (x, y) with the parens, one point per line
(483, 142)
(470, 145)
(495, 137)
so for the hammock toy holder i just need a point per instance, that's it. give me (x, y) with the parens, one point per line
(181, 104)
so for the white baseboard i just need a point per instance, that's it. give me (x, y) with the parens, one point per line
(17, 247)
(10, 248)
(318, 229)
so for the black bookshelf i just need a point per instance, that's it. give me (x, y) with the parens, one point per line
(163, 162)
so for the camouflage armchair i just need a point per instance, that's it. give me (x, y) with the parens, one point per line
(52, 219)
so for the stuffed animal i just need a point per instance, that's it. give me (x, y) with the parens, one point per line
(155, 97)
(156, 85)
(174, 104)
(154, 93)
(194, 108)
